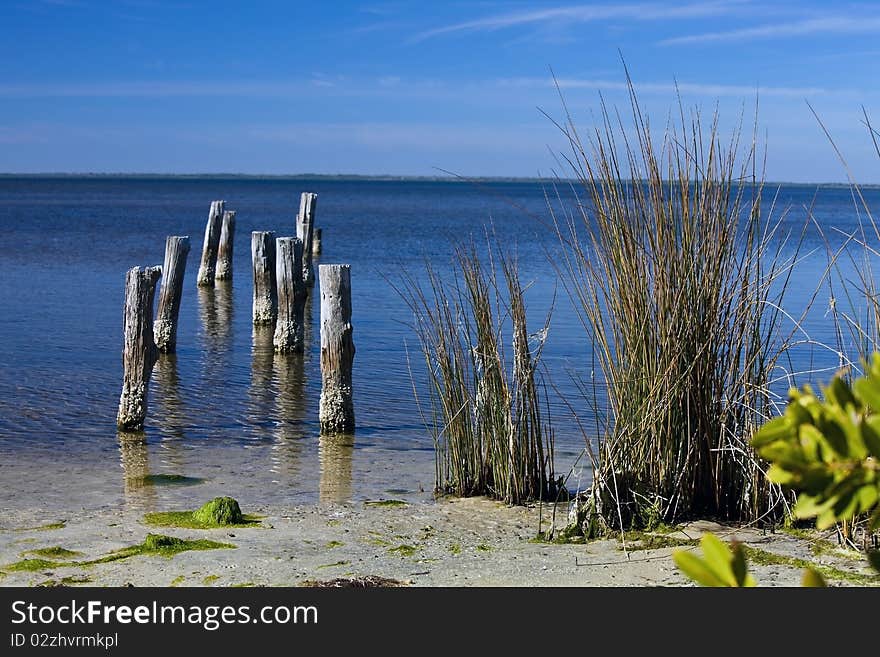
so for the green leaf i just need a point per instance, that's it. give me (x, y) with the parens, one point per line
(869, 392)
(812, 578)
(740, 567)
(695, 568)
(778, 475)
(826, 519)
(833, 436)
(867, 497)
(871, 435)
(718, 557)
(839, 393)
(779, 428)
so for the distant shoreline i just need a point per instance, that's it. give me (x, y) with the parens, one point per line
(352, 177)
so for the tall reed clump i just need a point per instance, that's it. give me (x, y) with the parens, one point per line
(679, 282)
(490, 432)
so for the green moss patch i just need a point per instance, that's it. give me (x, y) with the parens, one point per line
(55, 552)
(386, 503)
(165, 546)
(44, 528)
(177, 581)
(455, 549)
(482, 547)
(187, 520)
(765, 558)
(34, 565)
(210, 579)
(334, 544)
(636, 540)
(403, 550)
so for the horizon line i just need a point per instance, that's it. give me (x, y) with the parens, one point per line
(379, 177)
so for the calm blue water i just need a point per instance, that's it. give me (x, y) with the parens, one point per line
(224, 409)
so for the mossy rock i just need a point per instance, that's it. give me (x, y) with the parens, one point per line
(220, 511)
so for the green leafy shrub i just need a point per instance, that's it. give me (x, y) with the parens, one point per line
(829, 451)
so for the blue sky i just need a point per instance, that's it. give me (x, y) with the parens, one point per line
(413, 87)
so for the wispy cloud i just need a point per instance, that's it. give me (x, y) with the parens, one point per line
(586, 14)
(389, 85)
(690, 88)
(828, 25)
(155, 89)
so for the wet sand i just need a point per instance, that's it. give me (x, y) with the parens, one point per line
(469, 542)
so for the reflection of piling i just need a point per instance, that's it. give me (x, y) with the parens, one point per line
(290, 370)
(261, 393)
(215, 312)
(224, 248)
(133, 454)
(208, 311)
(290, 413)
(139, 352)
(305, 222)
(208, 265)
(291, 295)
(337, 350)
(171, 416)
(265, 295)
(165, 326)
(223, 297)
(335, 455)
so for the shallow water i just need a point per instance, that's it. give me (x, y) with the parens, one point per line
(225, 409)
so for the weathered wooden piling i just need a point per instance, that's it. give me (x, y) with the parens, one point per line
(291, 294)
(337, 350)
(265, 295)
(165, 326)
(208, 266)
(316, 242)
(305, 223)
(139, 352)
(224, 249)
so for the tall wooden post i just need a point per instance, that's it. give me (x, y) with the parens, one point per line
(265, 307)
(208, 266)
(337, 350)
(291, 294)
(139, 353)
(165, 326)
(305, 222)
(224, 249)
(316, 243)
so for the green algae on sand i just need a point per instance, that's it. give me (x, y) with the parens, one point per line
(54, 552)
(219, 513)
(386, 503)
(165, 546)
(61, 524)
(154, 544)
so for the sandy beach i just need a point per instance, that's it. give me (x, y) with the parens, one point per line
(461, 542)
